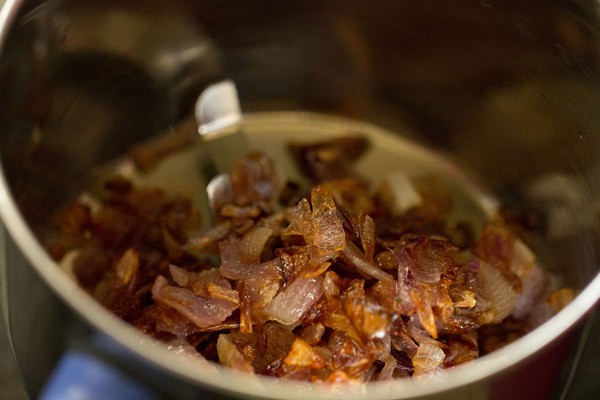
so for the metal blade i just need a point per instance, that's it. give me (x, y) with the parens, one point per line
(219, 121)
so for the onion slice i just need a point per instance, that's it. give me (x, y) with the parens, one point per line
(358, 260)
(230, 356)
(292, 302)
(201, 311)
(502, 293)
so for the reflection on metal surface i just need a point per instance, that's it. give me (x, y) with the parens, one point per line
(11, 382)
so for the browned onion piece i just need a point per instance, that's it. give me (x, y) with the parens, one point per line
(369, 318)
(301, 221)
(502, 293)
(230, 356)
(330, 159)
(198, 282)
(496, 247)
(201, 311)
(161, 319)
(426, 272)
(367, 236)
(328, 231)
(533, 286)
(461, 349)
(388, 369)
(127, 266)
(368, 268)
(303, 355)
(351, 194)
(224, 293)
(255, 178)
(522, 259)
(428, 358)
(264, 284)
(430, 259)
(253, 244)
(320, 226)
(232, 265)
(209, 237)
(293, 301)
(179, 275)
(404, 302)
(312, 334)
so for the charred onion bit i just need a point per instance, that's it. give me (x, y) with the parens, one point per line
(329, 160)
(344, 286)
(256, 179)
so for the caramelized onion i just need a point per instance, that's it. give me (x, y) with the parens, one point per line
(303, 355)
(253, 243)
(502, 294)
(230, 356)
(388, 369)
(345, 287)
(127, 266)
(320, 226)
(358, 260)
(293, 301)
(232, 264)
(201, 311)
(428, 358)
(255, 178)
(522, 259)
(209, 237)
(533, 286)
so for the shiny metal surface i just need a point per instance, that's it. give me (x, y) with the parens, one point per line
(11, 384)
(507, 89)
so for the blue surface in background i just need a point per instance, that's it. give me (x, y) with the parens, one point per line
(81, 376)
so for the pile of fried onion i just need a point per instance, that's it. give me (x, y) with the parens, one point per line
(337, 282)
